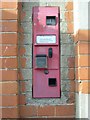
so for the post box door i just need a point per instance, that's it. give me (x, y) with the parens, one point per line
(46, 52)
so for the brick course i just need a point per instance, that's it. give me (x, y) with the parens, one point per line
(9, 15)
(6, 100)
(8, 38)
(8, 50)
(10, 75)
(47, 111)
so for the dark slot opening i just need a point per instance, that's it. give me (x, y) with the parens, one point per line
(41, 55)
(50, 20)
(52, 82)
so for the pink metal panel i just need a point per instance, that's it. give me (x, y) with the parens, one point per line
(46, 70)
(41, 87)
(53, 63)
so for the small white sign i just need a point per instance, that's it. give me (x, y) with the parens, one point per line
(46, 39)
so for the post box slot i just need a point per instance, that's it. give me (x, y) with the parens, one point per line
(41, 55)
(46, 52)
(50, 20)
(52, 82)
(41, 61)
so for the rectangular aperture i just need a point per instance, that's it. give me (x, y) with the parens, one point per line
(41, 61)
(52, 82)
(50, 20)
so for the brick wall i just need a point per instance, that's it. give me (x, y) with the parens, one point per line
(8, 60)
(82, 58)
(59, 107)
(82, 74)
(82, 61)
(16, 63)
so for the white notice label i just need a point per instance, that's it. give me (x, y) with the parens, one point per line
(46, 39)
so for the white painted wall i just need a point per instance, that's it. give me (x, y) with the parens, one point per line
(81, 14)
(82, 102)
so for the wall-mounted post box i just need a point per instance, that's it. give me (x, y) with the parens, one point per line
(46, 52)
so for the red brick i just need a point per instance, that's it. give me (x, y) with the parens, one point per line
(22, 86)
(9, 15)
(28, 111)
(83, 48)
(46, 111)
(20, 76)
(8, 50)
(8, 38)
(70, 28)
(23, 62)
(0, 112)
(22, 99)
(71, 62)
(83, 87)
(9, 100)
(88, 37)
(83, 73)
(71, 97)
(9, 5)
(8, 75)
(72, 86)
(8, 88)
(83, 61)
(10, 112)
(71, 74)
(22, 51)
(69, 5)
(8, 63)
(20, 6)
(69, 16)
(65, 110)
(83, 35)
(22, 15)
(9, 26)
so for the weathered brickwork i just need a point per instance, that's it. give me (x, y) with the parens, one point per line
(9, 60)
(16, 63)
(40, 107)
